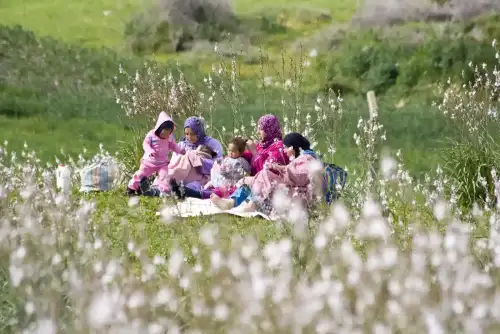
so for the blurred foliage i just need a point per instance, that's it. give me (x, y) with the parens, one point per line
(365, 61)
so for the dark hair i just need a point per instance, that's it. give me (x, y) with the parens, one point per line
(207, 149)
(297, 141)
(240, 143)
(169, 125)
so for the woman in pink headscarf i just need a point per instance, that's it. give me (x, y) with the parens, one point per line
(270, 147)
(268, 151)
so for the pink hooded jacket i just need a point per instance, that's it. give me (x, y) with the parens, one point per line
(156, 149)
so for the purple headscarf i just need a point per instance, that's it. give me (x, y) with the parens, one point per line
(272, 130)
(198, 127)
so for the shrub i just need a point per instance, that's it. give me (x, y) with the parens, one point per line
(173, 25)
(365, 61)
(471, 169)
(43, 76)
(472, 159)
(374, 12)
(368, 63)
(438, 59)
(152, 89)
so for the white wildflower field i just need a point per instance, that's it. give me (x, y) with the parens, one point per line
(395, 254)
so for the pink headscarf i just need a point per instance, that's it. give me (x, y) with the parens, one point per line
(272, 130)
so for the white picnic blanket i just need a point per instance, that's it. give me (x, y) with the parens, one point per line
(195, 207)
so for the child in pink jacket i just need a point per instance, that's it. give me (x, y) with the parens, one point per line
(157, 146)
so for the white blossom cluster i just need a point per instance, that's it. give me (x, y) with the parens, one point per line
(400, 260)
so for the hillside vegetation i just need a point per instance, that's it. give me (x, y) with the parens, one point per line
(59, 88)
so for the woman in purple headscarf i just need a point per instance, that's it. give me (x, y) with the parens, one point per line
(194, 136)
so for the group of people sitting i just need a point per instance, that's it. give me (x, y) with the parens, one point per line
(247, 177)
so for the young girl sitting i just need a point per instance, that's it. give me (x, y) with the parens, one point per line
(157, 145)
(227, 172)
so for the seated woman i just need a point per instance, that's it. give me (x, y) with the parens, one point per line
(194, 136)
(295, 177)
(268, 151)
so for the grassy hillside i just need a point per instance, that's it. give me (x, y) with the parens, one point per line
(58, 88)
(101, 23)
(89, 23)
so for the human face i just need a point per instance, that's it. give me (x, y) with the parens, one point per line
(290, 152)
(233, 152)
(165, 133)
(262, 134)
(190, 135)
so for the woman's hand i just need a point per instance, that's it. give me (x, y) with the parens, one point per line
(251, 146)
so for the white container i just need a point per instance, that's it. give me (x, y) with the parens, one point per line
(63, 178)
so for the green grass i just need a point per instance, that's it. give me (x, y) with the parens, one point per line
(86, 23)
(82, 23)
(48, 137)
(160, 235)
(340, 10)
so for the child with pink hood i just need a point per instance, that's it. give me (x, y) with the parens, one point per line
(157, 145)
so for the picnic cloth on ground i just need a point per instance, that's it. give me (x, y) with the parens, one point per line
(195, 207)
(101, 175)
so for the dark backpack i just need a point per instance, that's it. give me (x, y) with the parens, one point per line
(333, 177)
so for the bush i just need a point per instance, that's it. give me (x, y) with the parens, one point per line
(42, 76)
(366, 61)
(173, 25)
(470, 168)
(438, 59)
(151, 89)
(375, 12)
(471, 160)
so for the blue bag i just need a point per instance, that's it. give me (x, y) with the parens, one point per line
(334, 178)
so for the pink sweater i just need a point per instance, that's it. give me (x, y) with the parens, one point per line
(272, 154)
(156, 149)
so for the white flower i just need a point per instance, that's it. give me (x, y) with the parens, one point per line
(45, 326)
(175, 262)
(440, 209)
(388, 166)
